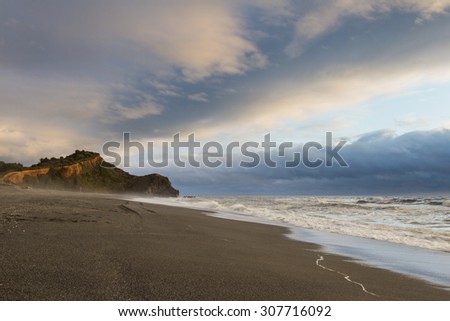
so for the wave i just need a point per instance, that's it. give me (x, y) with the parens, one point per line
(406, 201)
(420, 222)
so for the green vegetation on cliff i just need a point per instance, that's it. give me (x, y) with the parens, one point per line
(10, 167)
(74, 158)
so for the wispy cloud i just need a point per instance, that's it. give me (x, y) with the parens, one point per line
(201, 97)
(200, 38)
(297, 97)
(328, 15)
(197, 38)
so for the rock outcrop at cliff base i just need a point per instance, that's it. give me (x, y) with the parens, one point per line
(88, 172)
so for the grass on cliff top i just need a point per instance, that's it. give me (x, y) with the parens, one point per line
(74, 158)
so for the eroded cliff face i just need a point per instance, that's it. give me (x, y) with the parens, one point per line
(92, 175)
(77, 169)
(16, 178)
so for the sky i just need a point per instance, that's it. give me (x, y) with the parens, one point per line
(376, 73)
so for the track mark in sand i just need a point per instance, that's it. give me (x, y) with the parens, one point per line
(129, 210)
(346, 277)
(149, 210)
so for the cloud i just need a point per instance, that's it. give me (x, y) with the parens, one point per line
(128, 102)
(200, 38)
(380, 163)
(412, 121)
(328, 15)
(419, 21)
(38, 98)
(46, 116)
(293, 98)
(162, 88)
(384, 158)
(201, 97)
(26, 141)
(197, 39)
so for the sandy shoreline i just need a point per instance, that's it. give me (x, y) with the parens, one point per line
(73, 246)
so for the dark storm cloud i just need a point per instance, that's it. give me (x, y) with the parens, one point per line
(379, 163)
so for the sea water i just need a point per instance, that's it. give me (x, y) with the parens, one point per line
(406, 235)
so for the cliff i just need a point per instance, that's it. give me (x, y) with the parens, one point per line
(88, 172)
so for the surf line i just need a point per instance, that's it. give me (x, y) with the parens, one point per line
(346, 277)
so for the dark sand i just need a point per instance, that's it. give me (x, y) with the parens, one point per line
(73, 246)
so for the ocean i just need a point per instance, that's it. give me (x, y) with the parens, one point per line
(407, 235)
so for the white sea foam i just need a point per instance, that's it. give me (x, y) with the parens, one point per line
(420, 222)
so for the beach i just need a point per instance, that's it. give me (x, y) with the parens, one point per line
(79, 246)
